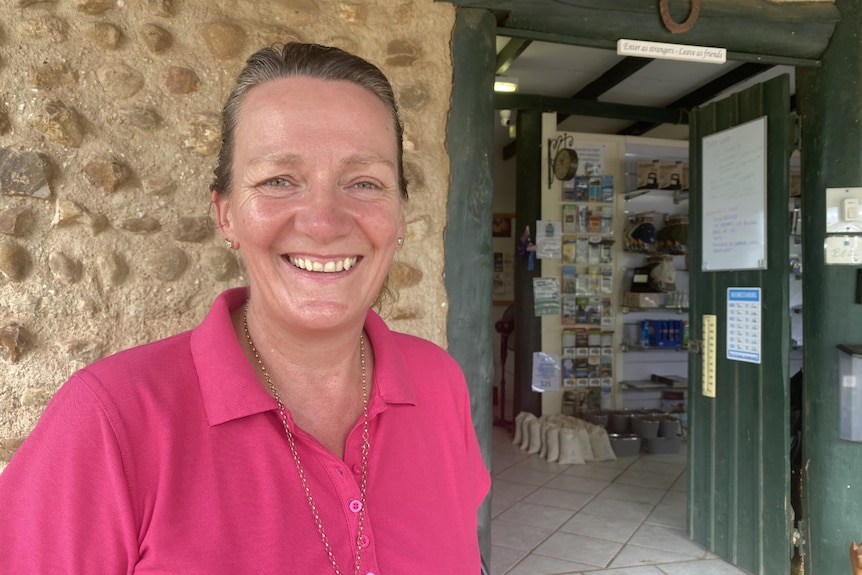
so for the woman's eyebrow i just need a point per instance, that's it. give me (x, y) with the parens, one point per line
(279, 158)
(366, 159)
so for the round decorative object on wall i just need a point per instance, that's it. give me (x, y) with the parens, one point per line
(566, 164)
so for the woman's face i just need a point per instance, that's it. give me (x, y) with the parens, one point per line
(315, 206)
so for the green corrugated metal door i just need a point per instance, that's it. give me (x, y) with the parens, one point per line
(738, 447)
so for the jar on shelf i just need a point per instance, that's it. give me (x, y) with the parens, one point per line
(672, 238)
(641, 234)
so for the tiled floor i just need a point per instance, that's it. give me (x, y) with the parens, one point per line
(623, 517)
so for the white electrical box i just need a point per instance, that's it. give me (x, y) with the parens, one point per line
(842, 210)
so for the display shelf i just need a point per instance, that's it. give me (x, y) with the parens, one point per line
(677, 195)
(587, 218)
(650, 384)
(630, 347)
(588, 287)
(631, 309)
(653, 268)
(653, 253)
(593, 210)
(671, 400)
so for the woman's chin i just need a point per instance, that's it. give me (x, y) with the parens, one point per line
(321, 315)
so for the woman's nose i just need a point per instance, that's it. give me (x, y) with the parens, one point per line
(323, 214)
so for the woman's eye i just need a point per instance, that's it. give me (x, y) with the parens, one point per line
(276, 182)
(366, 185)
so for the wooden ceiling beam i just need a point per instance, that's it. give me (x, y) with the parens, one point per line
(510, 52)
(760, 28)
(624, 69)
(621, 71)
(580, 107)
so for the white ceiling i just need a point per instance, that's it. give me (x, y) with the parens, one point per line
(561, 70)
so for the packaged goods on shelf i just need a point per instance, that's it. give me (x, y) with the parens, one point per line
(642, 300)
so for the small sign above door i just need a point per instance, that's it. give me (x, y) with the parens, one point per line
(662, 50)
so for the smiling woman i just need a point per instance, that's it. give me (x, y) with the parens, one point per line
(313, 185)
(291, 431)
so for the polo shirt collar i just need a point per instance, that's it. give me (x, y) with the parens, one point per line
(229, 384)
(392, 380)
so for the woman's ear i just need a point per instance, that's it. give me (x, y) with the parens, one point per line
(222, 212)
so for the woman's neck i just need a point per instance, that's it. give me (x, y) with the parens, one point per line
(318, 379)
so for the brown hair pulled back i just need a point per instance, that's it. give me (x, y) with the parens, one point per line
(308, 60)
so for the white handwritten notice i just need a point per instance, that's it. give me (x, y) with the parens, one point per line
(844, 250)
(734, 198)
(665, 51)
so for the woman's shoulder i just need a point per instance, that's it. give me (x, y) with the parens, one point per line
(416, 344)
(158, 356)
(140, 374)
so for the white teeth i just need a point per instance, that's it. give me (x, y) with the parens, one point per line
(328, 267)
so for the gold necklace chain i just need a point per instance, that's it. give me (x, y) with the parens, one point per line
(290, 441)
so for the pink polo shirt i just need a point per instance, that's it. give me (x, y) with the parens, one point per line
(170, 458)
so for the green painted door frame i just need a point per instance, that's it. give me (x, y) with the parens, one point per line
(829, 100)
(467, 242)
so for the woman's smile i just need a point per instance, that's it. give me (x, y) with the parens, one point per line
(324, 266)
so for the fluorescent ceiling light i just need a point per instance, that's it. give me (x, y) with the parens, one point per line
(505, 84)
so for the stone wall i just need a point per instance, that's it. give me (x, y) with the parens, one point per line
(109, 126)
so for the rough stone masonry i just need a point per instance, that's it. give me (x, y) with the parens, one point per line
(109, 126)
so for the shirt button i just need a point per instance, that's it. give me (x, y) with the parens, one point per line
(357, 469)
(356, 506)
(364, 541)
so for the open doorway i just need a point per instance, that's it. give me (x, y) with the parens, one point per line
(592, 125)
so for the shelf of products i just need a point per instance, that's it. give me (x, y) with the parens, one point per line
(654, 273)
(587, 285)
(677, 195)
(630, 347)
(632, 309)
(589, 205)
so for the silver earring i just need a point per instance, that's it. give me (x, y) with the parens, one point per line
(400, 242)
(228, 244)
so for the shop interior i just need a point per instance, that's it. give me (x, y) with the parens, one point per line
(579, 73)
(634, 374)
